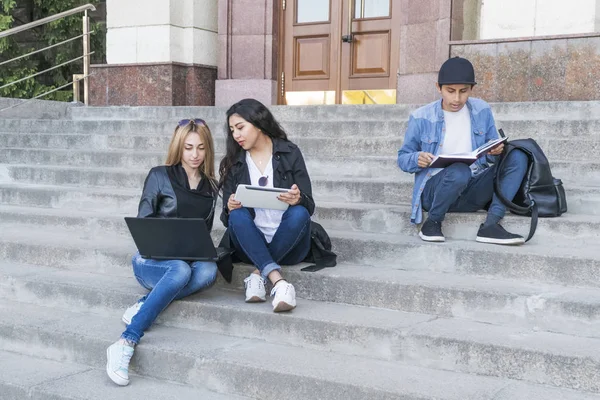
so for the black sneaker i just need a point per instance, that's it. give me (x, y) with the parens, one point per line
(431, 231)
(496, 234)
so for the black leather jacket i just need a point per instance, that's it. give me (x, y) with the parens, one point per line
(288, 168)
(159, 199)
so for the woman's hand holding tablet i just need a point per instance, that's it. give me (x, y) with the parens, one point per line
(261, 197)
(292, 197)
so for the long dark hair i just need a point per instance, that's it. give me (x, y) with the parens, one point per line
(258, 115)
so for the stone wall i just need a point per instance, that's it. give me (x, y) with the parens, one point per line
(544, 69)
(159, 52)
(161, 84)
(425, 34)
(249, 50)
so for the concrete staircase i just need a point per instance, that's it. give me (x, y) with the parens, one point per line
(396, 319)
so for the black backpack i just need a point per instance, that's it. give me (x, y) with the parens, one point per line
(540, 194)
(320, 249)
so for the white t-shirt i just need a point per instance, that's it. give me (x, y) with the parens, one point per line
(267, 221)
(458, 132)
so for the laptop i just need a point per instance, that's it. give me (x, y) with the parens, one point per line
(172, 238)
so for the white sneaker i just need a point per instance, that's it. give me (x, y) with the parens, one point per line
(118, 356)
(131, 312)
(255, 289)
(284, 297)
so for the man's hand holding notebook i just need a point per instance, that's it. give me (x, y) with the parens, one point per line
(444, 160)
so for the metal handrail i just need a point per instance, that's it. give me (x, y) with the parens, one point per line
(46, 20)
(46, 70)
(48, 92)
(86, 51)
(44, 49)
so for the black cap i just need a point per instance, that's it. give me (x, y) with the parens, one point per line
(455, 71)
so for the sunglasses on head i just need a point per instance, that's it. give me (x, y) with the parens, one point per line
(263, 180)
(195, 121)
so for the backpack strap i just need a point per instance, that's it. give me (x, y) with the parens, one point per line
(512, 206)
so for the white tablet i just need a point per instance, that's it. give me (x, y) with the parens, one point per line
(260, 197)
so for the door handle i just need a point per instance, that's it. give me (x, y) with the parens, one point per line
(348, 37)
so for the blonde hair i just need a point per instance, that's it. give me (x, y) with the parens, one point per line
(207, 169)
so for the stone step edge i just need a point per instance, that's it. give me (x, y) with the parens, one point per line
(250, 352)
(38, 378)
(568, 251)
(400, 207)
(571, 185)
(383, 158)
(54, 278)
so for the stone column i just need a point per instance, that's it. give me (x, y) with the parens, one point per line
(248, 51)
(159, 52)
(424, 46)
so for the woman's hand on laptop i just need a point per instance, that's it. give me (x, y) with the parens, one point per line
(233, 204)
(292, 197)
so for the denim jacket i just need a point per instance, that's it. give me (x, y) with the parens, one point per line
(426, 131)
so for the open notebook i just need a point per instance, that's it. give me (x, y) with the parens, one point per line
(443, 160)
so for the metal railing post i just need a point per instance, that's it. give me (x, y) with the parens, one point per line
(86, 59)
(76, 86)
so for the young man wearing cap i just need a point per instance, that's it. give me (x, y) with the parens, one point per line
(455, 124)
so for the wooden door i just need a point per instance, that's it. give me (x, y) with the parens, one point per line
(312, 44)
(327, 63)
(370, 59)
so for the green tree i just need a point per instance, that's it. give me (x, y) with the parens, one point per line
(16, 70)
(47, 35)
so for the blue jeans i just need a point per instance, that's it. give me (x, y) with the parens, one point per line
(454, 189)
(167, 280)
(290, 244)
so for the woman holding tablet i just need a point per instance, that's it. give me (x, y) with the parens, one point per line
(259, 153)
(183, 188)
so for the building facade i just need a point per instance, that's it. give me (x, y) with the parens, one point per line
(214, 52)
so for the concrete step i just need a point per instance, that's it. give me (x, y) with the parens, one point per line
(296, 129)
(416, 370)
(359, 166)
(127, 159)
(311, 147)
(384, 191)
(29, 377)
(314, 147)
(303, 127)
(582, 171)
(395, 219)
(68, 185)
(360, 217)
(552, 110)
(218, 114)
(582, 202)
(121, 201)
(362, 166)
(337, 307)
(86, 222)
(109, 177)
(541, 261)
